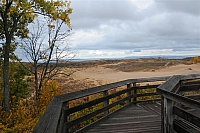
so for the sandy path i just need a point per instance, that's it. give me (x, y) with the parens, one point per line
(107, 75)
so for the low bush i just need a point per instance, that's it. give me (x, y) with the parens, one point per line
(25, 113)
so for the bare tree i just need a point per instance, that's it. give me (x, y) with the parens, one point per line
(44, 48)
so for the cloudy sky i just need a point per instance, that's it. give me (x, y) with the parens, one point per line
(120, 28)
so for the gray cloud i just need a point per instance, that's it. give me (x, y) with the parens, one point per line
(103, 9)
(124, 26)
(92, 13)
(185, 6)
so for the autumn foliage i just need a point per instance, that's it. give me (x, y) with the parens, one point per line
(195, 60)
(25, 113)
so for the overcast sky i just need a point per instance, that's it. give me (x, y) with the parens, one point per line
(120, 28)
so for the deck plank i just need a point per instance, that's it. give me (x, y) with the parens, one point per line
(140, 118)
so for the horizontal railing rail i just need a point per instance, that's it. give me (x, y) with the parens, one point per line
(95, 104)
(176, 106)
(186, 116)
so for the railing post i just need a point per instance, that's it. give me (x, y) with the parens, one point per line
(64, 118)
(106, 102)
(181, 92)
(134, 94)
(128, 94)
(162, 114)
(167, 115)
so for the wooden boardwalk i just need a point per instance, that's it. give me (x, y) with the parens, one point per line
(140, 118)
(179, 99)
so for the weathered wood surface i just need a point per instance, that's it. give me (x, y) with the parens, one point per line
(78, 120)
(182, 126)
(189, 119)
(172, 91)
(140, 118)
(189, 77)
(195, 97)
(171, 85)
(50, 118)
(187, 115)
(192, 87)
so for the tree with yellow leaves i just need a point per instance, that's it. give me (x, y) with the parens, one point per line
(15, 15)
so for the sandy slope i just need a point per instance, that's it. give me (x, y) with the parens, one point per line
(107, 75)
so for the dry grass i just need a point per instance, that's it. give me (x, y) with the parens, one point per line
(144, 64)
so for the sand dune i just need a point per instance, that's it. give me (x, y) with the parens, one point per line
(108, 75)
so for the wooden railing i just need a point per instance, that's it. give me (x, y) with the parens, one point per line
(96, 104)
(178, 108)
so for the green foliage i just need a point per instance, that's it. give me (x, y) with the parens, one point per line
(18, 83)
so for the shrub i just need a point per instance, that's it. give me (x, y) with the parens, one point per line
(195, 60)
(19, 85)
(25, 113)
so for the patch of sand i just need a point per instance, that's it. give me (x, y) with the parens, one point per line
(107, 75)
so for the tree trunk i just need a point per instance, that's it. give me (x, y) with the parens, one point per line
(6, 84)
(36, 79)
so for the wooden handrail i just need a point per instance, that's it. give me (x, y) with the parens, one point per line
(49, 122)
(170, 96)
(86, 92)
